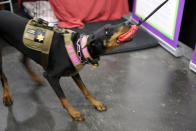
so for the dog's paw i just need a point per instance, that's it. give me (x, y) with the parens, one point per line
(100, 106)
(76, 116)
(7, 100)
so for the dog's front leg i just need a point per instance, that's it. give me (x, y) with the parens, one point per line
(98, 105)
(54, 82)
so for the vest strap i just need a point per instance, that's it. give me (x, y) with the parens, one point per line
(72, 53)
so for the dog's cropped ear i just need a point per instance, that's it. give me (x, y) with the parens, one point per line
(75, 36)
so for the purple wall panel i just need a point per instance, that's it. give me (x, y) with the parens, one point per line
(194, 56)
(174, 42)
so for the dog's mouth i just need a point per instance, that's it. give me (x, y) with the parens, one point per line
(113, 41)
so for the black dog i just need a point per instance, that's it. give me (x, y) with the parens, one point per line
(105, 39)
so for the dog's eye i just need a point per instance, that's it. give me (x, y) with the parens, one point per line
(93, 44)
(106, 32)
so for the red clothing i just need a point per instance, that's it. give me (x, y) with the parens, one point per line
(72, 13)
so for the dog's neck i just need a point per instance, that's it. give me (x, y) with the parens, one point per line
(95, 47)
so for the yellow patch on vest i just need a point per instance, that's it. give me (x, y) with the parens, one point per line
(41, 42)
(40, 37)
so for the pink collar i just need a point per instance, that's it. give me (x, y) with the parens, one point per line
(85, 51)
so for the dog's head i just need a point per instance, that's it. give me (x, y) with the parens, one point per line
(105, 38)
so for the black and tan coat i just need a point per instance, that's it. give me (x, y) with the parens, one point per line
(103, 40)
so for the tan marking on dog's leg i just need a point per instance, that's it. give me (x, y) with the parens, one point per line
(7, 98)
(54, 82)
(98, 105)
(34, 76)
(71, 110)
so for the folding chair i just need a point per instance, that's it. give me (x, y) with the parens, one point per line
(8, 2)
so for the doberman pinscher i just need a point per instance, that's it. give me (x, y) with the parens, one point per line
(99, 42)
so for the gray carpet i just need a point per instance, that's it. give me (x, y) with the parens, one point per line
(147, 90)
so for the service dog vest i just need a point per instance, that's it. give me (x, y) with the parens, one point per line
(38, 36)
(34, 37)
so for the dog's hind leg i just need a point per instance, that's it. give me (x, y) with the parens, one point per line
(54, 82)
(7, 98)
(35, 77)
(98, 105)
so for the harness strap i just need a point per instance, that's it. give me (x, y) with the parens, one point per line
(71, 52)
(44, 24)
(46, 50)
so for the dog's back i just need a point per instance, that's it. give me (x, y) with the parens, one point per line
(11, 29)
(12, 26)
